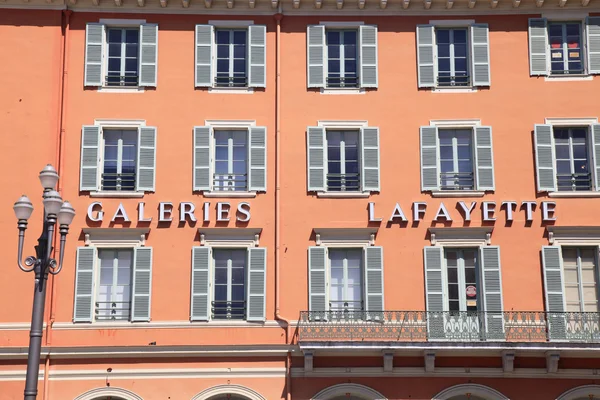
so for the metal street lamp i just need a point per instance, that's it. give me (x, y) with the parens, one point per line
(42, 264)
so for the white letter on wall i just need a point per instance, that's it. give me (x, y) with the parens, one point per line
(489, 209)
(529, 206)
(99, 216)
(120, 213)
(244, 208)
(141, 218)
(187, 209)
(222, 212)
(372, 213)
(164, 213)
(509, 209)
(548, 209)
(442, 213)
(466, 209)
(417, 210)
(397, 213)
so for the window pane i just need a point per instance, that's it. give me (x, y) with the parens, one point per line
(581, 166)
(333, 51)
(333, 37)
(334, 66)
(442, 36)
(460, 50)
(220, 276)
(222, 36)
(131, 36)
(452, 275)
(124, 276)
(220, 292)
(221, 153)
(337, 275)
(222, 51)
(239, 37)
(460, 36)
(563, 167)
(444, 64)
(572, 293)
(333, 153)
(443, 50)
(562, 152)
(354, 276)
(131, 65)
(453, 291)
(555, 30)
(223, 66)
(114, 50)
(239, 167)
(239, 153)
(238, 293)
(451, 259)
(464, 152)
(350, 67)
(239, 66)
(239, 51)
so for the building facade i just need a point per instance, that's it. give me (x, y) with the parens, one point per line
(325, 200)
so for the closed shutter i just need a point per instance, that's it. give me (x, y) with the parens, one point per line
(94, 50)
(315, 138)
(434, 294)
(592, 28)
(200, 304)
(429, 158)
(425, 55)
(84, 284)
(257, 283)
(258, 56)
(257, 180)
(317, 288)
(315, 49)
(595, 135)
(370, 159)
(492, 292)
(554, 291)
(484, 158)
(146, 167)
(544, 158)
(90, 157)
(538, 46)
(202, 138)
(480, 50)
(148, 54)
(142, 284)
(368, 56)
(204, 54)
(374, 282)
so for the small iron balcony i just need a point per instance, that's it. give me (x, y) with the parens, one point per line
(125, 182)
(574, 182)
(112, 310)
(342, 81)
(230, 182)
(222, 309)
(457, 181)
(343, 182)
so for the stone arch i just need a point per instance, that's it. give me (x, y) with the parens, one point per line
(100, 393)
(581, 392)
(241, 391)
(356, 391)
(481, 391)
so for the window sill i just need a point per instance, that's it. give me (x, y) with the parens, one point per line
(454, 90)
(573, 194)
(225, 90)
(117, 194)
(161, 325)
(568, 78)
(230, 194)
(343, 91)
(342, 195)
(114, 89)
(458, 193)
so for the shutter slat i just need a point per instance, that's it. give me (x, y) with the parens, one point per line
(317, 278)
(257, 74)
(374, 282)
(315, 48)
(554, 291)
(315, 137)
(429, 158)
(370, 159)
(258, 159)
(142, 284)
(544, 158)
(595, 135)
(90, 157)
(480, 50)
(434, 261)
(202, 175)
(592, 28)
(84, 284)
(538, 46)
(368, 56)
(425, 55)
(148, 54)
(492, 292)
(257, 281)
(146, 167)
(94, 50)
(484, 158)
(204, 54)
(201, 264)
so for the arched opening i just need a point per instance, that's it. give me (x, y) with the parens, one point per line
(470, 392)
(108, 393)
(228, 392)
(348, 391)
(586, 392)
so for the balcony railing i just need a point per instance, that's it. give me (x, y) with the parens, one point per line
(112, 310)
(230, 182)
(460, 80)
(457, 181)
(574, 182)
(121, 80)
(222, 309)
(423, 326)
(343, 182)
(342, 81)
(231, 81)
(118, 181)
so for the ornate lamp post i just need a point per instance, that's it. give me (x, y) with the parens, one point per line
(55, 210)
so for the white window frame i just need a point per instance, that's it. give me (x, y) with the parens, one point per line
(343, 158)
(564, 49)
(212, 276)
(97, 273)
(461, 278)
(345, 246)
(579, 275)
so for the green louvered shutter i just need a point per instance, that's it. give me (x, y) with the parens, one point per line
(554, 292)
(315, 48)
(592, 28)
(370, 159)
(484, 158)
(200, 304)
(317, 278)
(146, 166)
(538, 46)
(258, 56)
(315, 138)
(142, 284)
(595, 135)
(84, 284)
(94, 50)
(257, 282)
(480, 50)
(368, 56)
(90, 157)
(425, 55)
(492, 292)
(202, 176)
(544, 158)
(204, 55)
(148, 54)
(429, 158)
(374, 282)
(258, 159)
(434, 261)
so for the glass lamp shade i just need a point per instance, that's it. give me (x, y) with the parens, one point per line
(66, 214)
(23, 208)
(52, 202)
(48, 177)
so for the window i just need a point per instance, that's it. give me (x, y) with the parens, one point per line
(452, 58)
(120, 153)
(346, 280)
(456, 159)
(572, 159)
(343, 161)
(230, 284)
(113, 299)
(123, 55)
(231, 160)
(342, 58)
(231, 58)
(566, 55)
(581, 278)
(463, 277)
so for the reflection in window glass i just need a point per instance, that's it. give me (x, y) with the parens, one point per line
(229, 284)
(120, 159)
(231, 46)
(113, 298)
(572, 159)
(343, 161)
(342, 58)
(231, 160)
(565, 48)
(456, 159)
(123, 54)
(452, 57)
(345, 279)
(581, 281)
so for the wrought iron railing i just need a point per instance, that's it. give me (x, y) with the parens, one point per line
(112, 181)
(342, 81)
(574, 182)
(222, 309)
(423, 326)
(121, 80)
(571, 71)
(457, 181)
(455, 80)
(231, 81)
(343, 182)
(112, 310)
(230, 182)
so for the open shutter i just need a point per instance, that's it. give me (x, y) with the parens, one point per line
(595, 135)
(204, 50)
(202, 178)
(492, 292)
(370, 159)
(316, 55)
(317, 288)
(484, 158)
(554, 291)
(146, 167)
(94, 50)
(315, 137)
(429, 158)
(592, 29)
(538, 46)
(480, 50)
(434, 261)
(368, 56)
(425, 55)
(90, 157)
(374, 282)
(84, 284)
(200, 304)
(142, 284)
(148, 54)
(544, 158)
(258, 56)
(257, 284)
(258, 159)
